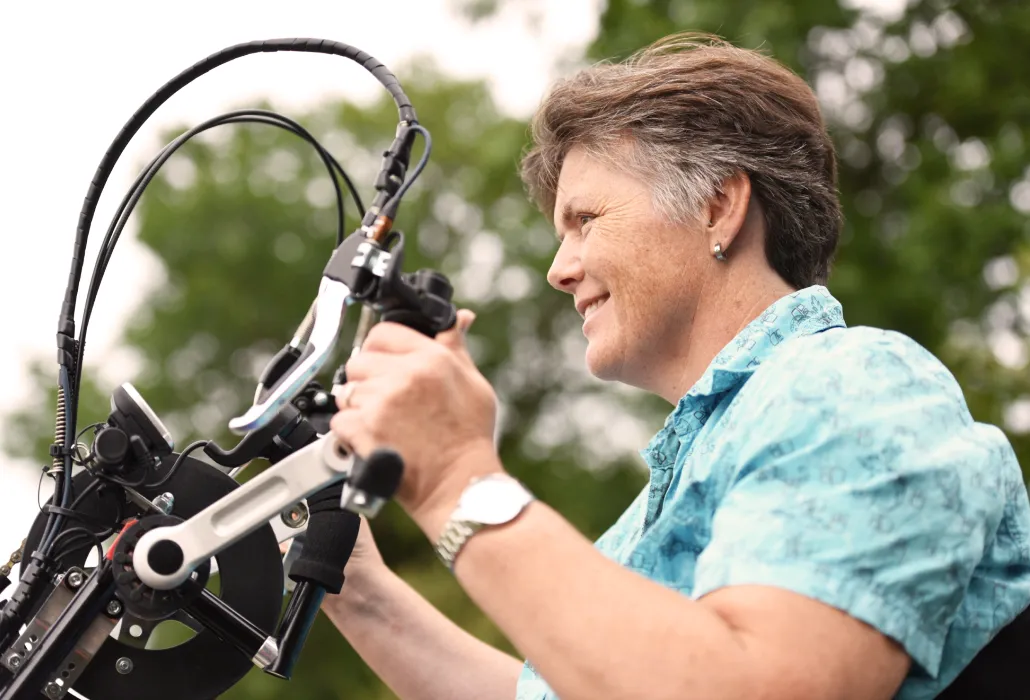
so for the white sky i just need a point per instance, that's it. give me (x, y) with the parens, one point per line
(71, 74)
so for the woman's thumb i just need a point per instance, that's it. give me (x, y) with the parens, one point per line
(454, 337)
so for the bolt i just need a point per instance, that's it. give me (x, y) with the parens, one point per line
(123, 665)
(295, 516)
(114, 608)
(302, 404)
(14, 660)
(321, 398)
(75, 579)
(164, 503)
(52, 690)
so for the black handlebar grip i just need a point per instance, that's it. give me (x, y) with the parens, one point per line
(328, 543)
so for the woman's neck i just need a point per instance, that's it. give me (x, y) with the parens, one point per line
(726, 305)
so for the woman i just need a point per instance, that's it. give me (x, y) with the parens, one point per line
(823, 519)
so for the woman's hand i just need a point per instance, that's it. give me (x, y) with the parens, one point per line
(426, 399)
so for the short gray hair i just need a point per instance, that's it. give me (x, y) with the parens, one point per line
(695, 111)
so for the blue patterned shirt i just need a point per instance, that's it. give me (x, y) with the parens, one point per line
(843, 465)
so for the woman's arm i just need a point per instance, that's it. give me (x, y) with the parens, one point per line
(413, 647)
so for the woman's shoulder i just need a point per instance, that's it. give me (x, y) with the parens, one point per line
(861, 360)
(867, 397)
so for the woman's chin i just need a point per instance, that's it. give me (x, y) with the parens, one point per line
(601, 362)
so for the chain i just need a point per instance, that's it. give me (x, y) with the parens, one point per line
(15, 558)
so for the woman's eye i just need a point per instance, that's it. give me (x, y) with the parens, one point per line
(585, 219)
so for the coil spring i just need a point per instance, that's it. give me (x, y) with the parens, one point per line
(59, 428)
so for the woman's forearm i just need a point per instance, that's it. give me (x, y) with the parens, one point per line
(416, 650)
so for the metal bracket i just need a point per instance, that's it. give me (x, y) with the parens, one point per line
(85, 648)
(372, 258)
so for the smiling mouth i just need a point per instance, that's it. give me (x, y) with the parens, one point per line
(594, 306)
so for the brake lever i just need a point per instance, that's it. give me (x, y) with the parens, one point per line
(355, 264)
(330, 307)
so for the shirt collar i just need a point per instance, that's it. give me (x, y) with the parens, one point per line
(804, 312)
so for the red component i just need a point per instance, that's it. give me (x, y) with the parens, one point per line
(110, 550)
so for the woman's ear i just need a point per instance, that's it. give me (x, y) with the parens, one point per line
(727, 211)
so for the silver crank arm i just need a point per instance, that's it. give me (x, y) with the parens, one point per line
(164, 557)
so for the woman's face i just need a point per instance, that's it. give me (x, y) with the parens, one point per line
(636, 278)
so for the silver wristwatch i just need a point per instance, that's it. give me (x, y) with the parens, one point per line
(490, 500)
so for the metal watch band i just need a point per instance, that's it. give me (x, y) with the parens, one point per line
(454, 537)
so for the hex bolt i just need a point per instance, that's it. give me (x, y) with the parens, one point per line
(114, 608)
(123, 665)
(75, 579)
(52, 690)
(14, 660)
(165, 502)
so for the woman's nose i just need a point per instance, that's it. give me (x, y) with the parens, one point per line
(566, 269)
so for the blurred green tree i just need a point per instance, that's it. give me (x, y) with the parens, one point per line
(931, 122)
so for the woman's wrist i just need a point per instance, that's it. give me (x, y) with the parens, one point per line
(362, 593)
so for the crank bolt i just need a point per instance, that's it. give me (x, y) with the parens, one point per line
(295, 516)
(123, 665)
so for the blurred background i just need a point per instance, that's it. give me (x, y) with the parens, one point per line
(926, 100)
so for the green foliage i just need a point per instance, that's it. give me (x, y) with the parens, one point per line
(932, 161)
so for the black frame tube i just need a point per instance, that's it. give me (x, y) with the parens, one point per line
(60, 640)
(294, 627)
(227, 624)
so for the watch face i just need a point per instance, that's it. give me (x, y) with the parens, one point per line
(493, 500)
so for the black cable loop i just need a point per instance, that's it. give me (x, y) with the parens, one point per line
(405, 111)
(66, 324)
(135, 192)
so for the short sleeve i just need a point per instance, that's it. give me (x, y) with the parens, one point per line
(862, 482)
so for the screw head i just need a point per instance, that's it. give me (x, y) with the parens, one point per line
(52, 690)
(123, 665)
(14, 660)
(114, 608)
(75, 579)
(321, 398)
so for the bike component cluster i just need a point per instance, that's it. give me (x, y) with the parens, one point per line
(87, 622)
